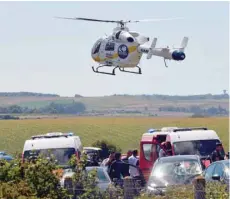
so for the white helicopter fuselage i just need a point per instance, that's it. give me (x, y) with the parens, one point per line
(119, 49)
(124, 49)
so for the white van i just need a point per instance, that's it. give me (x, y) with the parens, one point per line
(61, 145)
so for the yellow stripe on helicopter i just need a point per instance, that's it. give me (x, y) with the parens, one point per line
(115, 55)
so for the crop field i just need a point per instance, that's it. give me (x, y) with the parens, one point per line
(124, 132)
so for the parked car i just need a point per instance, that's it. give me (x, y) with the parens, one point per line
(5, 156)
(173, 170)
(218, 171)
(103, 179)
(93, 153)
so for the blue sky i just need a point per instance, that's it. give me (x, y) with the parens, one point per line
(43, 54)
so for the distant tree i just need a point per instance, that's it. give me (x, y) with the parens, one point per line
(77, 95)
(26, 94)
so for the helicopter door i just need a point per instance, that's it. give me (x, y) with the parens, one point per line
(109, 51)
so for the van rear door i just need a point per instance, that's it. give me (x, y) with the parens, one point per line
(148, 155)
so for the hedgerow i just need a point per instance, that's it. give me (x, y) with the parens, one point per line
(40, 179)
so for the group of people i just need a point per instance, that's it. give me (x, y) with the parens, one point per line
(119, 168)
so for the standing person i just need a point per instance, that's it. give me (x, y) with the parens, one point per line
(218, 153)
(133, 160)
(116, 168)
(126, 163)
(104, 151)
(108, 161)
(162, 152)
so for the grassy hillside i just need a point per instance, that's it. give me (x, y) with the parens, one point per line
(112, 102)
(125, 132)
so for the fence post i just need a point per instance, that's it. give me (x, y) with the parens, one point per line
(199, 187)
(129, 191)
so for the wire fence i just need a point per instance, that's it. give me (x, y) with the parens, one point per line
(130, 188)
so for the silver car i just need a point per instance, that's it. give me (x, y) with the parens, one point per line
(103, 179)
(173, 170)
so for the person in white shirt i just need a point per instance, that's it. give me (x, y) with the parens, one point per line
(162, 152)
(133, 160)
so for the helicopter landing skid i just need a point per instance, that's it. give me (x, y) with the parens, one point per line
(139, 70)
(107, 73)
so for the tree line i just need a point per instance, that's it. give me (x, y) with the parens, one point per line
(26, 94)
(180, 97)
(212, 111)
(52, 108)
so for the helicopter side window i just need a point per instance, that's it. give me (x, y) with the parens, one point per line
(97, 48)
(110, 46)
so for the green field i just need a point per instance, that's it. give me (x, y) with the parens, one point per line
(125, 132)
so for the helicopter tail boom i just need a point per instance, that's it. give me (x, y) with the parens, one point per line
(176, 54)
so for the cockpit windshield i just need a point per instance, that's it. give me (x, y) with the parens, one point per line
(96, 47)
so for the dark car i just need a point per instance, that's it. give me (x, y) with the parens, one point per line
(5, 156)
(218, 171)
(173, 170)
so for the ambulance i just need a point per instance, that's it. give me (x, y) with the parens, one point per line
(61, 145)
(180, 141)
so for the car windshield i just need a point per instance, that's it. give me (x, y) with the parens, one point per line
(175, 170)
(100, 174)
(196, 147)
(62, 155)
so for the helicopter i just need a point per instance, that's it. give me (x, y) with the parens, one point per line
(123, 48)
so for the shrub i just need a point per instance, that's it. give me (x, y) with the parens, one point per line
(40, 179)
(214, 190)
(106, 147)
(29, 180)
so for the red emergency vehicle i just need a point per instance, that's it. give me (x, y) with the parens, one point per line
(179, 141)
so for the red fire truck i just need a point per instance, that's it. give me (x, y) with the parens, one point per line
(179, 141)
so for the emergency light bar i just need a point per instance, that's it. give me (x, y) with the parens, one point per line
(53, 135)
(153, 130)
(190, 129)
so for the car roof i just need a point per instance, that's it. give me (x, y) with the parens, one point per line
(94, 167)
(224, 162)
(178, 158)
(48, 143)
(91, 148)
(6, 157)
(192, 135)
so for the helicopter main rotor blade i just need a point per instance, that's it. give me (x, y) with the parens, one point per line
(88, 19)
(153, 20)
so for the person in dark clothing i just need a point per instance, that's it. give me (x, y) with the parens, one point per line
(218, 153)
(104, 151)
(227, 156)
(116, 169)
(126, 163)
